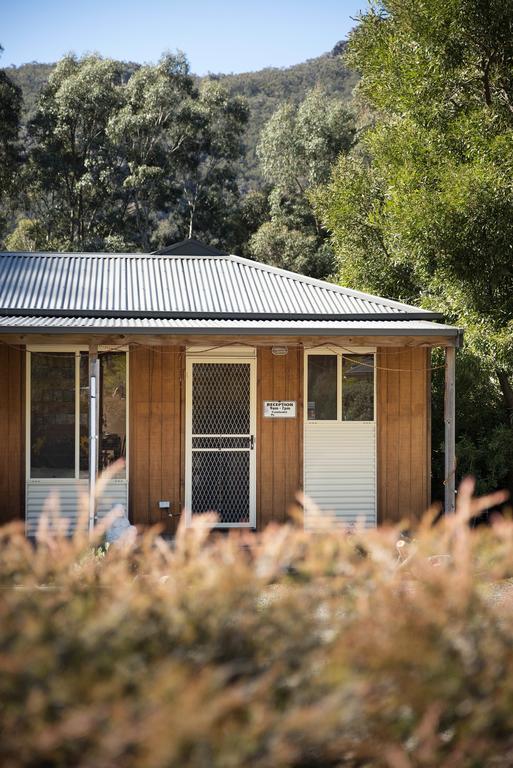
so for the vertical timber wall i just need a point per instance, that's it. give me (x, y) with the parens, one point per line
(404, 432)
(156, 391)
(12, 430)
(279, 441)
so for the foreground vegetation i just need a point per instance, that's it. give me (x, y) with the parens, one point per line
(281, 649)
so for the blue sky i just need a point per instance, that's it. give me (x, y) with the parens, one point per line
(227, 36)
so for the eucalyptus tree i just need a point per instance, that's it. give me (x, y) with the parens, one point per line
(156, 117)
(179, 143)
(206, 165)
(74, 172)
(297, 150)
(10, 111)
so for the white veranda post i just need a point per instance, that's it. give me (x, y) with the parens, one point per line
(450, 429)
(94, 386)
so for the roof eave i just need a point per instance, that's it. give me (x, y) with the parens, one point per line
(443, 331)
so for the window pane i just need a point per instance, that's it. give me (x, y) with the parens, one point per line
(112, 409)
(84, 414)
(322, 387)
(52, 416)
(358, 387)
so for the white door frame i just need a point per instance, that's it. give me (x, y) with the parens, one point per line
(221, 356)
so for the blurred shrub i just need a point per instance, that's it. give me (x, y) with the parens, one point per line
(279, 649)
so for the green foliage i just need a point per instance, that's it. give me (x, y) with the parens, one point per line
(294, 249)
(484, 445)
(74, 169)
(10, 106)
(117, 159)
(151, 124)
(176, 152)
(263, 91)
(424, 210)
(10, 112)
(292, 650)
(300, 144)
(205, 172)
(30, 79)
(27, 236)
(297, 150)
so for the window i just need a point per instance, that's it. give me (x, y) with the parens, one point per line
(52, 415)
(112, 409)
(59, 413)
(340, 387)
(84, 415)
(322, 387)
(357, 387)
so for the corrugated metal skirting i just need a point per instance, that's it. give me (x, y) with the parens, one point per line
(65, 503)
(340, 474)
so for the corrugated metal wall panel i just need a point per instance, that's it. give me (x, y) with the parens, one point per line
(72, 499)
(340, 473)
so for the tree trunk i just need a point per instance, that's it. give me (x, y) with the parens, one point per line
(192, 211)
(486, 82)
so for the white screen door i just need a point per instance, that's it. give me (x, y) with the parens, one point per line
(220, 455)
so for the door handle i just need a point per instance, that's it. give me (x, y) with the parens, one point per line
(252, 442)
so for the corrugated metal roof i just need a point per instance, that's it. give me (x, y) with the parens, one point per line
(213, 285)
(46, 324)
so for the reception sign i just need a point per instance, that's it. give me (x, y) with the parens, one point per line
(279, 409)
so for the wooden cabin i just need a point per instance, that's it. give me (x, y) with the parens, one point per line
(225, 384)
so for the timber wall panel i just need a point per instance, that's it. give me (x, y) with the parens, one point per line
(279, 441)
(156, 434)
(12, 430)
(404, 444)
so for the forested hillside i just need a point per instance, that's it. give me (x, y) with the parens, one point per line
(267, 89)
(264, 91)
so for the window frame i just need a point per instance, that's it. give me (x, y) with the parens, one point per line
(75, 349)
(340, 353)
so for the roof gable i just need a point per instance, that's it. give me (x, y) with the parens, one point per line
(178, 285)
(189, 247)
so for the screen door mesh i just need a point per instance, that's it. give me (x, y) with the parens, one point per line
(221, 440)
